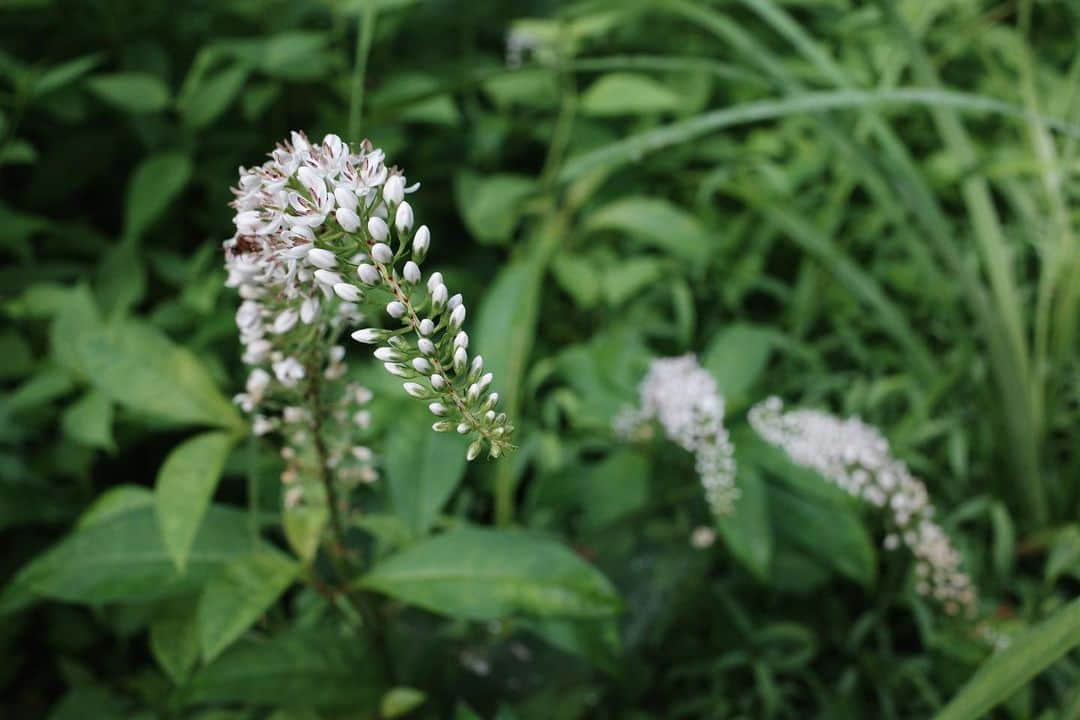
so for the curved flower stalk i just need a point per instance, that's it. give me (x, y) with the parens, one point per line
(856, 457)
(682, 396)
(321, 227)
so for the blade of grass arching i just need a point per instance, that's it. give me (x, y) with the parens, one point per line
(635, 147)
(365, 31)
(667, 63)
(976, 194)
(1013, 668)
(1055, 250)
(859, 283)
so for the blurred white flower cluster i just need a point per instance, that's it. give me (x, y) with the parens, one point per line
(682, 396)
(856, 457)
(320, 228)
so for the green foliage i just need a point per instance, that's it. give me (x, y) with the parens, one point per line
(868, 208)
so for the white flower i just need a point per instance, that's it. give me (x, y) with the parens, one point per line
(348, 292)
(382, 253)
(394, 190)
(457, 317)
(426, 327)
(309, 308)
(421, 242)
(415, 389)
(327, 278)
(683, 397)
(285, 321)
(321, 258)
(289, 371)
(425, 346)
(378, 229)
(368, 274)
(348, 219)
(369, 336)
(395, 309)
(403, 218)
(411, 273)
(437, 408)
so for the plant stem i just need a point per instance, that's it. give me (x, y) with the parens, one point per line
(365, 31)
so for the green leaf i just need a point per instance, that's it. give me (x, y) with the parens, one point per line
(115, 501)
(235, 599)
(121, 558)
(134, 92)
(597, 641)
(174, 638)
(491, 204)
(613, 488)
(156, 182)
(137, 366)
(57, 77)
(737, 357)
(399, 701)
(627, 278)
(624, 93)
(1064, 556)
(483, 574)
(184, 488)
(89, 421)
(205, 102)
(831, 534)
(423, 469)
(657, 222)
(1011, 669)
(121, 279)
(306, 667)
(304, 525)
(748, 531)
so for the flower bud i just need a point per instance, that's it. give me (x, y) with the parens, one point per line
(347, 292)
(398, 342)
(437, 408)
(474, 450)
(411, 273)
(416, 390)
(395, 309)
(461, 359)
(454, 301)
(394, 189)
(485, 380)
(461, 340)
(321, 258)
(329, 278)
(477, 365)
(442, 426)
(457, 317)
(473, 394)
(403, 218)
(347, 219)
(421, 242)
(426, 327)
(426, 346)
(492, 400)
(437, 381)
(434, 281)
(345, 197)
(421, 365)
(398, 370)
(438, 297)
(463, 428)
(285, 321)
(370, 336)
(297, 252)
(377, 229)
(387, 354)
(368, 274)
(382, 253)
(309, 309)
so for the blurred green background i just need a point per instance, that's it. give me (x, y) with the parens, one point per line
(868, 207)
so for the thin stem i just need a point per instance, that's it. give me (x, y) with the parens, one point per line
(365, 31)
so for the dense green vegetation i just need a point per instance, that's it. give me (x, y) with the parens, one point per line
(868, 208)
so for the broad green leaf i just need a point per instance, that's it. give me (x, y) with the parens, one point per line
(625, 279)
(417, 97)
(185, 486)
(121, 279)
(117, 500)
(533, 87)
(294, 54)
(233, 600)
(491, 204)
(134, 92)
(215, 92)
(656, 222)
(597, 641)
(1012, 668)
(613, 488)
(60, 75)
(747, 532)
(624, 93)
(174, 638)
(89, 421)
(304, 526)
(736, 357)
(1064, 556)
(305, 667)
(122, 558)
(18, 152)
(139, 367)
(422, 470)
(831, 534)
(44, 386)
(483, 574)
(400, 701)
(153, 186)
(17, 354)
